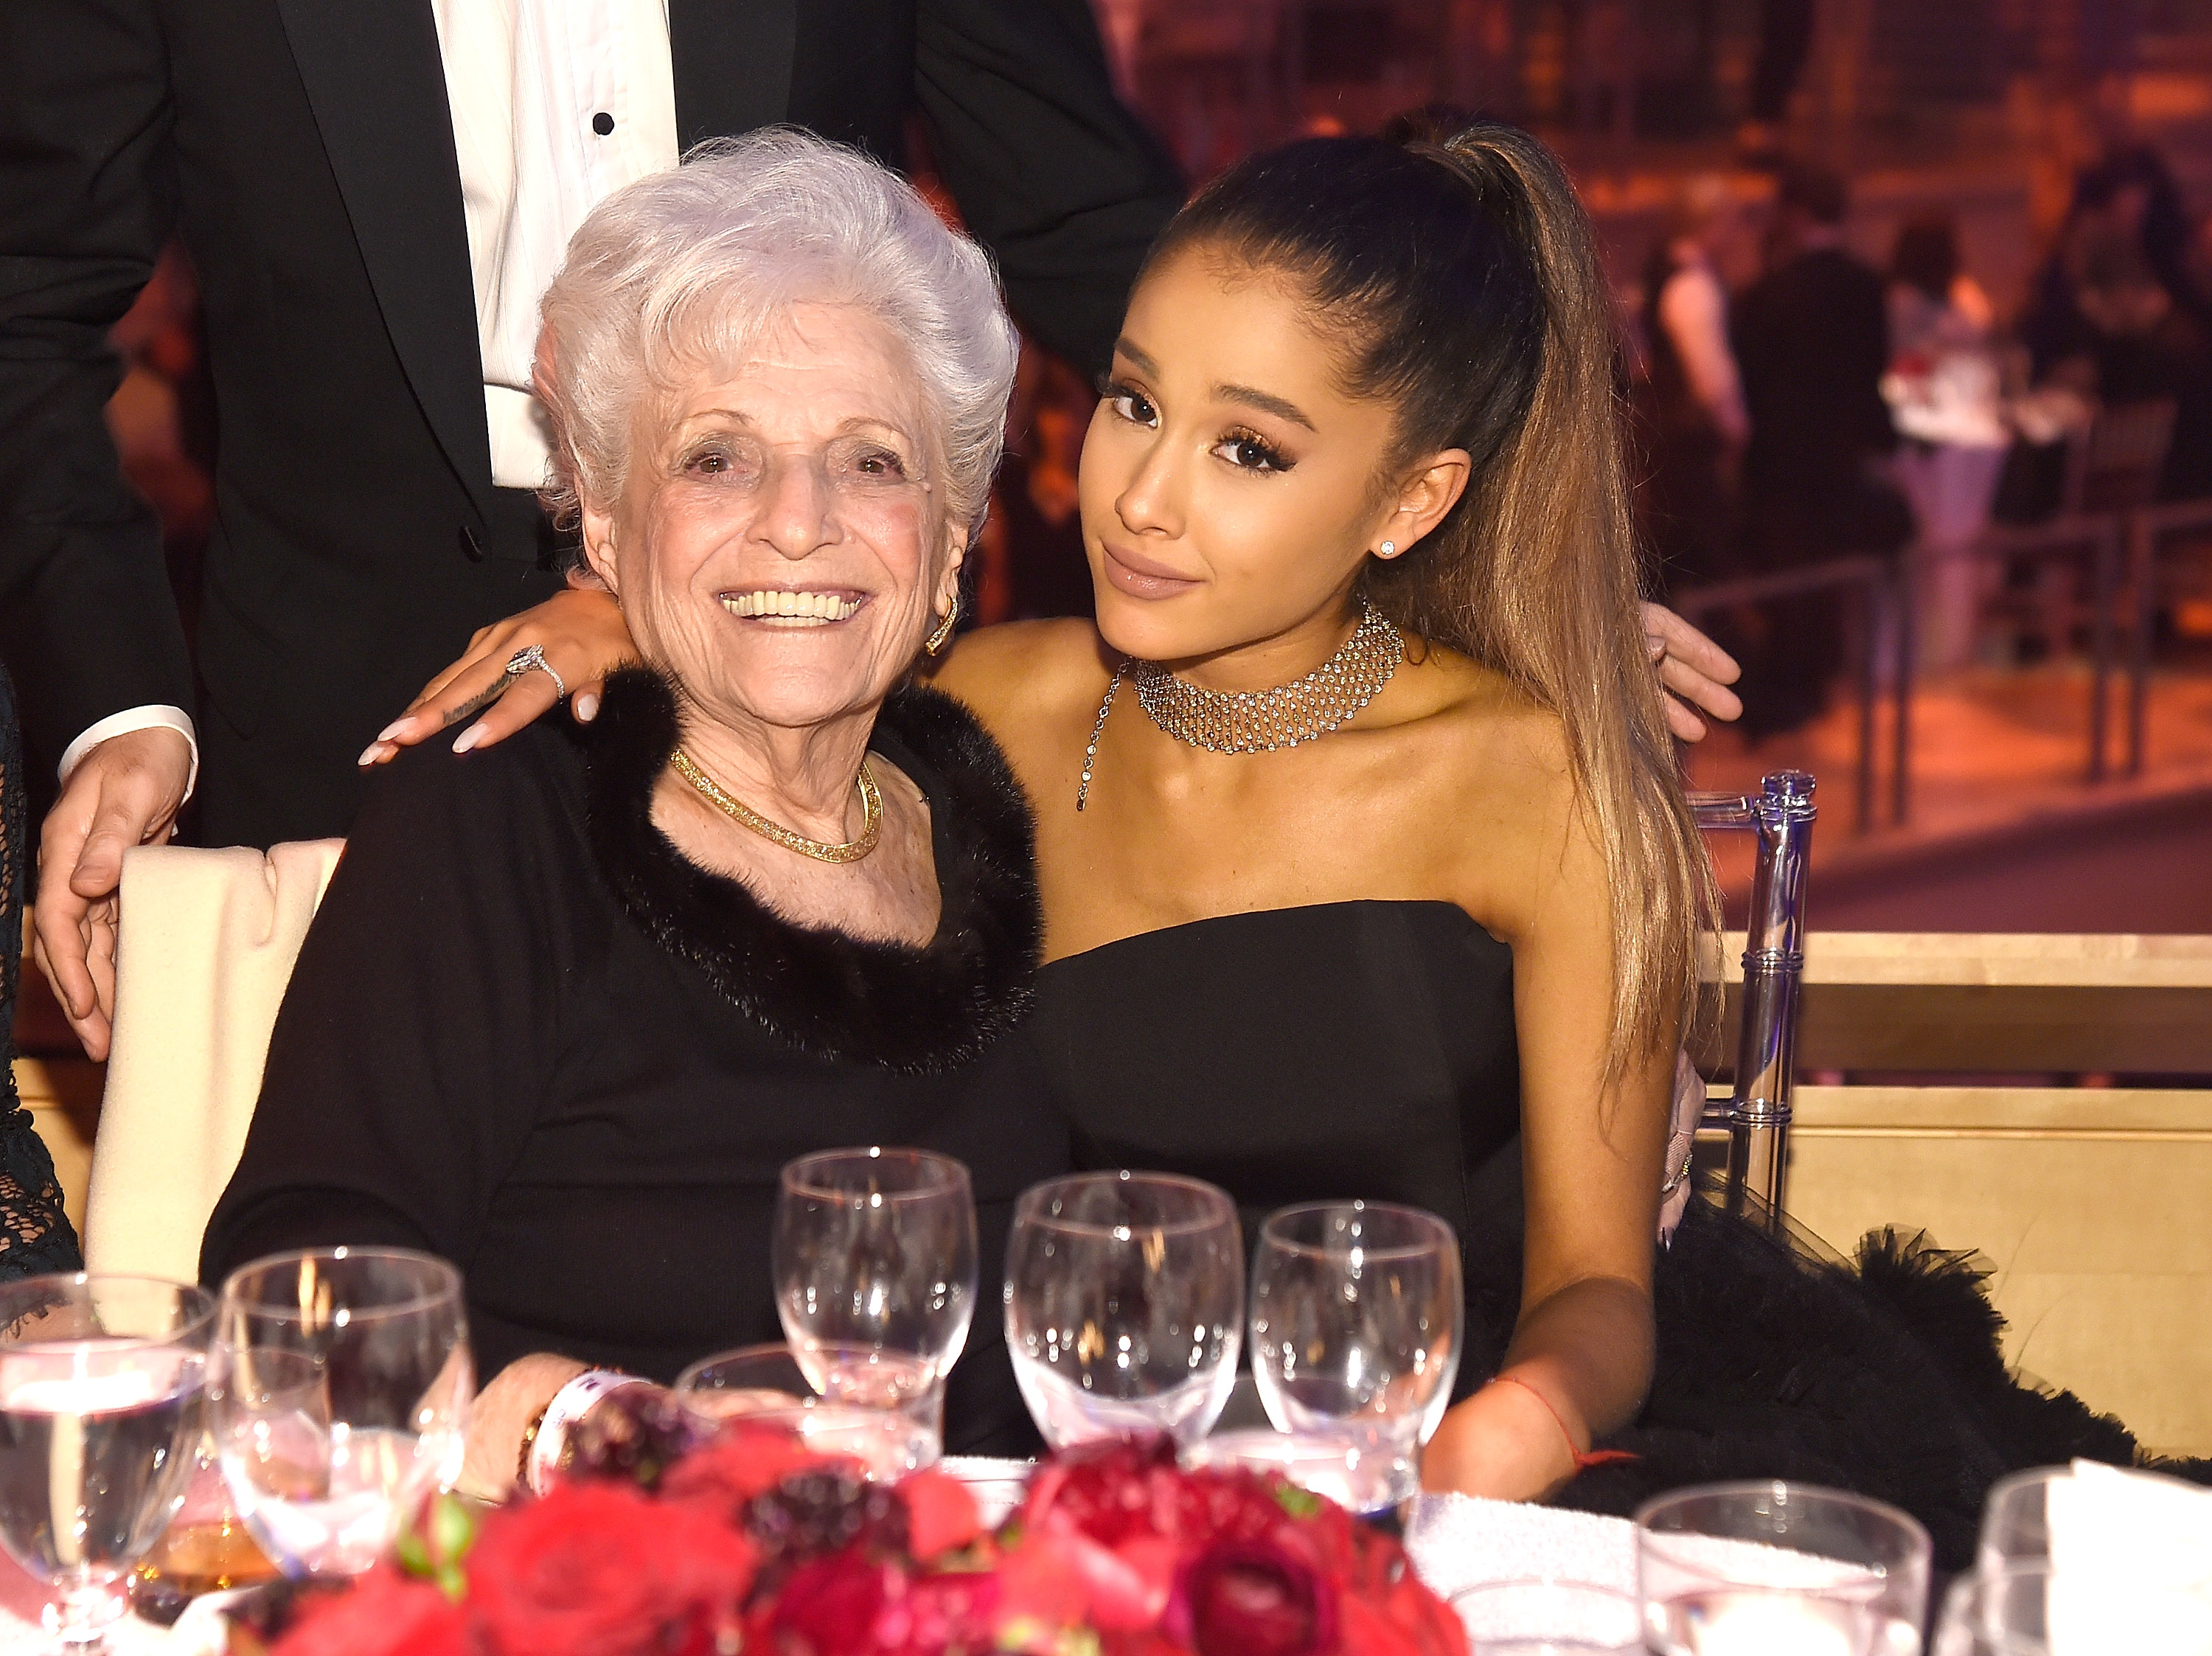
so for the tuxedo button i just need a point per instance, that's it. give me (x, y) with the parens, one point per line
(603, 124)
(471, 548)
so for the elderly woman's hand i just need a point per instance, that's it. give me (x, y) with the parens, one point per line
(582, 635)
(1694, 673)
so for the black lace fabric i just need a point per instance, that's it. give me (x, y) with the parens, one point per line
(35, 1233)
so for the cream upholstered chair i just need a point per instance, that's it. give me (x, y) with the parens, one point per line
(205, 948)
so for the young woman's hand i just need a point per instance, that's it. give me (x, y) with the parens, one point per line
(582, 635)
(1694, 673)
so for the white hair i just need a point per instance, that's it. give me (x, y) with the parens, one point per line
(688, 267)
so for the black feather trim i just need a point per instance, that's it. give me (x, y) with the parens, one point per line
(843, 999)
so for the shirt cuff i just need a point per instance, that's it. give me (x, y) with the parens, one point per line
(150, 717)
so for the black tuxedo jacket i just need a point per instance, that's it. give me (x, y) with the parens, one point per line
(306, 150)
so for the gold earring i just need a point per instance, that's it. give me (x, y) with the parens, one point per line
(935, 643)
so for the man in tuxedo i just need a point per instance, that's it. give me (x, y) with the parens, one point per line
(1812, 341)
(374, 194)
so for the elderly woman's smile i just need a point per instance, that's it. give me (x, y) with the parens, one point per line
(780, 545)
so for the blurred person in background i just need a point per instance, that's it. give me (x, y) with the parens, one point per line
(1690, 400)
(1944, 389)
(1812, 341)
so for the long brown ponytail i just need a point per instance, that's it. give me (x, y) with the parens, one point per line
(1463, 276)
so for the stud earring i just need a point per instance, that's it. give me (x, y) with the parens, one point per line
(1388, 550)
(935, 643)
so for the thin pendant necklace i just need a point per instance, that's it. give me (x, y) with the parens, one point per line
(1260, 721)
(872, 816)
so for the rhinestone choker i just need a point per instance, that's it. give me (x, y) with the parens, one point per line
(1261, 721)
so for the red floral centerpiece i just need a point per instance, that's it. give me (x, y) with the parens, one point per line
(751, 1543)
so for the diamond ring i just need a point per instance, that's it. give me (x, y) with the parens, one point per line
(530, 658)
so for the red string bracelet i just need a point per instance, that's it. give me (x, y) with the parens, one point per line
(1583, 1461)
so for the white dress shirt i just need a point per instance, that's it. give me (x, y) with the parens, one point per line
(555, 104)
(1693, 310)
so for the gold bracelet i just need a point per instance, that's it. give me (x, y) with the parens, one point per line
(529, 1442)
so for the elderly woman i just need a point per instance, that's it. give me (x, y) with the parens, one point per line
(572, 1001)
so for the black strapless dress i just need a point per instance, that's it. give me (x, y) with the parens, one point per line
(1367, 1049)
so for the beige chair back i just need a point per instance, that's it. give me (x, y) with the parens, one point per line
(1943, 1062)
(204, 949)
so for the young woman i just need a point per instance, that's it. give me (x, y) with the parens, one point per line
(1361, 845)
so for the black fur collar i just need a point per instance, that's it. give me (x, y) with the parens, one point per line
(844, 998)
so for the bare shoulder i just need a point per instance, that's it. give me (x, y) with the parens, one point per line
(1021, 675)
(1491, 737)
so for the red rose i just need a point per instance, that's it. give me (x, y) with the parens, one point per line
(598, 1569)
(940, 1513)
(1252, 1599)
(743, 1462)
(829, 1606)
(384, 1613)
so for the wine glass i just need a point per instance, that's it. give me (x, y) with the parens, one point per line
(766, 1384)
(1549, 1618)
(341, 1398)
(874, 1265)
(1124, 1305)
(1730, 1568)
(1357, 1311)
(102, 1386)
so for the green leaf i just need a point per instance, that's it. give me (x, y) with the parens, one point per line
(1298, 1503)
(414, 1554)
(452, 1529)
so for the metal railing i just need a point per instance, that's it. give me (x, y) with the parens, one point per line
(2120, 551)
(1885, 601)
(2148, 528)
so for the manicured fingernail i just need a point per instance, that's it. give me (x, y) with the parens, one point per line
(371, 754)
(1652, 642)
(469, 737)
(585, 706)
(392, 729)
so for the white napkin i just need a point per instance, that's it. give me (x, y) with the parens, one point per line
(2132, 1559)
(1457, 1542)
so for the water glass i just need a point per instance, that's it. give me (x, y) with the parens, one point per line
(1549, 1618)
(102, 1384)
(340, 1394)
(2031, 1607)
(1742, 1569)
(1124, 1305)
(768, 1386)
(874, 1266)
(1357, 1311)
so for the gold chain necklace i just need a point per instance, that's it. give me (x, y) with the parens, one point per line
(872, 816)
(1260, 721)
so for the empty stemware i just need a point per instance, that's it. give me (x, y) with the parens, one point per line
(874, 1265)
(101, 1385)
(768, 1385)
(1124, 1305)
(1742, 1569)
(1357, 1311)
(341, 1398)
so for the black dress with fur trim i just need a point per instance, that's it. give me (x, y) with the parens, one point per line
(526, 1034)
(1367, 1049)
